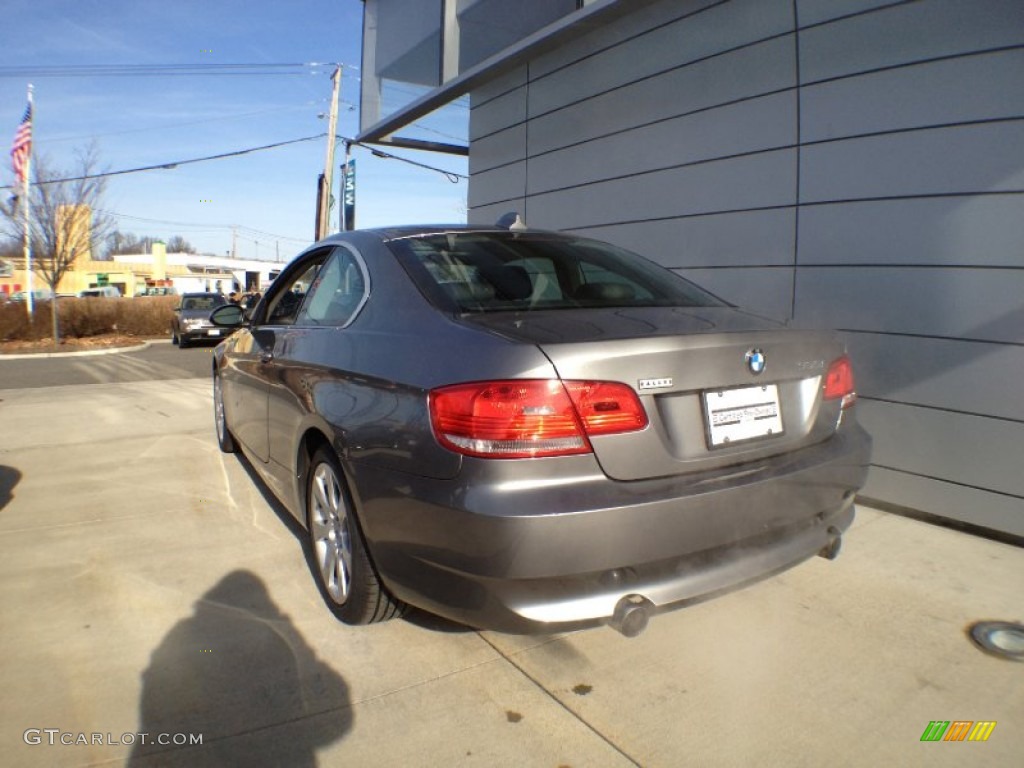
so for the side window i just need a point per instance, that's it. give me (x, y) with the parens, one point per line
(339, 291)
(286, 302)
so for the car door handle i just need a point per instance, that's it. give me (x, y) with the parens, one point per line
(266, 357)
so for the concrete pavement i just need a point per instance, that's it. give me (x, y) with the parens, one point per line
(147, 584)
(157, 359)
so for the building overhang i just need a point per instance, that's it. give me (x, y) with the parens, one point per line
(592, 15)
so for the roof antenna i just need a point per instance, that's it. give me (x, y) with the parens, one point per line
(511, 221)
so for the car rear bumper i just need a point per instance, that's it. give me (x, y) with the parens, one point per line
(504, 547)
(202, 334)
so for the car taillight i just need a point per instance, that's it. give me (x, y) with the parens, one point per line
(839, 382)
(606, 407)
(530, 418)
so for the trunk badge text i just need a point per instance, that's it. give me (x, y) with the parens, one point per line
(643, 384)
(756, 361)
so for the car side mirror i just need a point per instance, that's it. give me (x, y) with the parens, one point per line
(228, 316)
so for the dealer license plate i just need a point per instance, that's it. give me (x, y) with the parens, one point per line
(747, 413)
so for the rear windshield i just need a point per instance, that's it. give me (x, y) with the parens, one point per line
(500, 272)
(202, 302)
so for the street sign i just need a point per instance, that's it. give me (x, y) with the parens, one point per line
(349, 208)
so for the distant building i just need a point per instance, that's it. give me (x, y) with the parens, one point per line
(143, 274)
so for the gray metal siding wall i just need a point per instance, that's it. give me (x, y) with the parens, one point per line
(863, 173)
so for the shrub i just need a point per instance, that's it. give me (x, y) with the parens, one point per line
(145, 315)
(79, 318)
(87, 317)
(15, 326)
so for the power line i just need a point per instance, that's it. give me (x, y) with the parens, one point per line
(423, 127)
(452, 176)
(271, 234)
(166, 126)
(36, 75)
(202, 227)
(162, 70)
(176, 163)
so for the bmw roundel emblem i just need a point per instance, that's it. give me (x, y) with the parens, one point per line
(756, 361)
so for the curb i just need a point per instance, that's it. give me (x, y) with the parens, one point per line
(84, 353)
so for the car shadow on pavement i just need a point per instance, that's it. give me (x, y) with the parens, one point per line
(433, 623)
(238, 672)
(9, 477)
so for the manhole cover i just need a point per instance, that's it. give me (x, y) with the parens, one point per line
(1000, 638)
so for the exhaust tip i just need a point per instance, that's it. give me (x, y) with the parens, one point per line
(632, 613)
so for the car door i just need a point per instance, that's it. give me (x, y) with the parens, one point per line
(252, 367)
(309, 349)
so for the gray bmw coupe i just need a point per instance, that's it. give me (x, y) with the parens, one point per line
(529, 431)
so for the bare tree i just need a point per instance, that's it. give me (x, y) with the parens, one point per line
(65, 222)
(178, 244)
(119, 242)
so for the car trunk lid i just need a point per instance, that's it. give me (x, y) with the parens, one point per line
(698, 374)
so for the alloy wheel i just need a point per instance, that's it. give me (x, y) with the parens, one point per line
(220, 419)
(330, 533)
(218, 408)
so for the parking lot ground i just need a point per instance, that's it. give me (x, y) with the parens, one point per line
(148, 585)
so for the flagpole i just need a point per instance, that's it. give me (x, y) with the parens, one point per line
(26, 206)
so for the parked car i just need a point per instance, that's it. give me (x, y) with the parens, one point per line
(528, 431)
(39, 294)
(101, 292)
(191, 320)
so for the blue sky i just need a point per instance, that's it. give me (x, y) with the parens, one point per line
(139, 120)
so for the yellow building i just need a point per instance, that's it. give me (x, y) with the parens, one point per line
(131, 279)
(134, 274)
(142, 274)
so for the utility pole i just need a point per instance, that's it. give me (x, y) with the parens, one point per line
(323, 214)
(234, 241)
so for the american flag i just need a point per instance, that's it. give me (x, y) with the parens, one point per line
(22, 146)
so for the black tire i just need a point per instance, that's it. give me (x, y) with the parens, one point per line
(348, 582)
(224, 438)
(182, 344)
